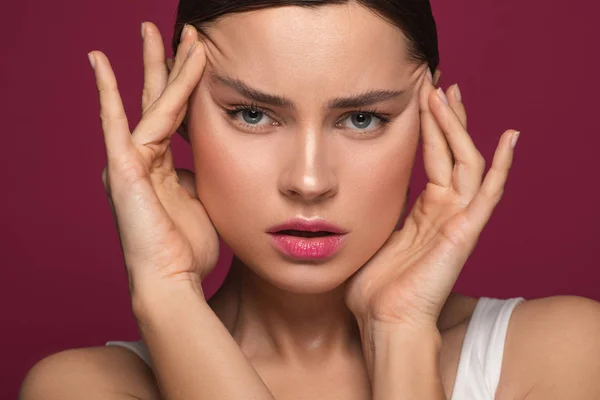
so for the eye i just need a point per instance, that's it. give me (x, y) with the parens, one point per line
(365, 119)
(250, 116)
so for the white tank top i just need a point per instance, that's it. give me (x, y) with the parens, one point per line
(480, 359)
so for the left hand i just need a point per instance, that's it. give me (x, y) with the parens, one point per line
(408, 281)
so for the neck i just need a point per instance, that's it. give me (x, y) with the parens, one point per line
(295, 328)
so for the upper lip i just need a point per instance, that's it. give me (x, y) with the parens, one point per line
(301, 224)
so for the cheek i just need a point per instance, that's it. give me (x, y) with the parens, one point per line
(380, 176)
(382, 171)
(232, 179)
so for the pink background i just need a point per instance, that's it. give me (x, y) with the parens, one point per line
(521, 64)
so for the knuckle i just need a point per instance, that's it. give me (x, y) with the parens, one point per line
(122, 174)
(480, 161)
(107, 120)
(149, 92)
(495, 195)
(458, 233)
(106, 87)
(131, 172)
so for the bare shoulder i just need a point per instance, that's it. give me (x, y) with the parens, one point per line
(107, 373)
(552, 350)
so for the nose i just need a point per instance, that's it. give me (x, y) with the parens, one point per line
(309, 175)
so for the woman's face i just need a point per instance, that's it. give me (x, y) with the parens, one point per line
(258, 168)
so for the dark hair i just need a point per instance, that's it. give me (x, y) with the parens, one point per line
(413, 17)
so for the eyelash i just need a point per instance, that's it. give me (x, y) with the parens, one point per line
(231, 113)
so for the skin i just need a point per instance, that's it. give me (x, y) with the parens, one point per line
(326, 167)
(294, 326)
(294, 313)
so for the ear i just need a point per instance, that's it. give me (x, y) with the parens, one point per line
(436, 76)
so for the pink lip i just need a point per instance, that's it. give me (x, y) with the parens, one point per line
(304, 248)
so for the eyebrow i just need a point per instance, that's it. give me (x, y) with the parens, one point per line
(359, 100)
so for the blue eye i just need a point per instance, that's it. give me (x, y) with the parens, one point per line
(251, 116)
(362, 120)
(254, 116)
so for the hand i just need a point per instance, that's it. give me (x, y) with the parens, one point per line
(166, 235)
(409, 279)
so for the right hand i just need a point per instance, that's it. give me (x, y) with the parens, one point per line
(167, 238)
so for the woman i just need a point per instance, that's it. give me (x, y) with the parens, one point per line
(304, 124)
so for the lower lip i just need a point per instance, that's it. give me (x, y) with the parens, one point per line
(303, 248)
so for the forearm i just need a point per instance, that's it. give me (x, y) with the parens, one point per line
(193, 355)
(406, 365)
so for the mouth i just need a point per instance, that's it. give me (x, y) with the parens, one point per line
(304, 234)
(307, 228)
(307, 240)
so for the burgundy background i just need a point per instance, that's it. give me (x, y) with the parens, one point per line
(521, 64)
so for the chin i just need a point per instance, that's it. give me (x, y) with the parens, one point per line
(302, 277)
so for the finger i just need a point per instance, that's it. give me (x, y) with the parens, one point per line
(189, 36)
(167, 112)
(481, 207)
(455, 99)
(170, 64)
(468, 162)
(155, 69)
(437, 156)
(115, 126)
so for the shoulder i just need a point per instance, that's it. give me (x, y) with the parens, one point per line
(552, 350)
(93, 372)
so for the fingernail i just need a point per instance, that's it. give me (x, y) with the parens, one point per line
(429, 76)
(143, 33)
(515, 137)
(183, 32)
(457, 93)
(92, 60)
(442, 95)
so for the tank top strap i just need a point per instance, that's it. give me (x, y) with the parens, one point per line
(138, 347)
(482, 351)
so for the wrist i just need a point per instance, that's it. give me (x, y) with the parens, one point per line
(375, 329)
(151, 302)
(408, 333)
(405, 363)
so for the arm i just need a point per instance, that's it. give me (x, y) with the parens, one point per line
(553, 350)
(168, 240)
(405, 365)
(193, 355)
(91, 373)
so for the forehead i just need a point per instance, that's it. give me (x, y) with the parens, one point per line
(326, 48)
